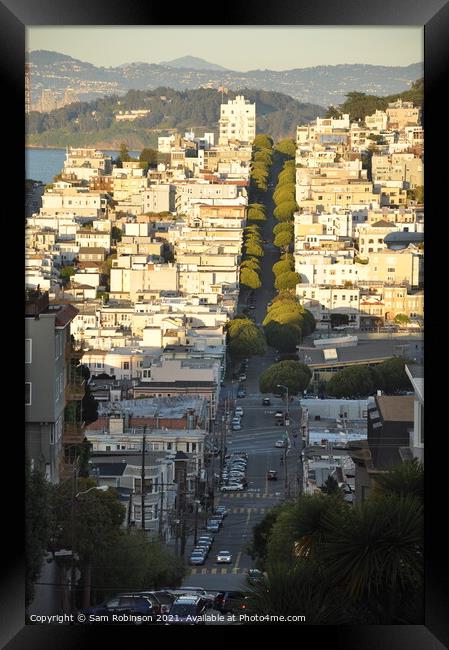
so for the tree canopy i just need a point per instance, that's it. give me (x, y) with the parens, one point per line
(250, 278)
(245, 339)
(287, 280)
(293, 374)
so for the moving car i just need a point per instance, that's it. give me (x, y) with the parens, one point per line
(230, 488)
(224, 557)
(266, 401)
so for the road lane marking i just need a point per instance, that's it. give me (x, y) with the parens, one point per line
(213, 571)
(236, 566)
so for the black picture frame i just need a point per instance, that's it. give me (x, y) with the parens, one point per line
(15, 15)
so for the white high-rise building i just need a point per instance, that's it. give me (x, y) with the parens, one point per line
(237, 121)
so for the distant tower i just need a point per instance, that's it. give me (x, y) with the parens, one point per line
(27, 88)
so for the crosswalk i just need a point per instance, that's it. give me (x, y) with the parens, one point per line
(255, 511)
(253, 495)
(216, 571)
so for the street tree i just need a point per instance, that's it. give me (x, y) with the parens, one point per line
(283, 240)
(124, 153)
(283, 336)
(253, 248)
(263, 141)
(245, 338)
(283, 227)
(250, 278)
(283, 266)
(287, 147)
(287, 280)
(251, 263)
(139, 562)
(354, 382)
(37, 526)
(256, 212)
(284, 211)
(296, 376)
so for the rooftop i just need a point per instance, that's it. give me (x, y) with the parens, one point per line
(395, 408)
(160, 407)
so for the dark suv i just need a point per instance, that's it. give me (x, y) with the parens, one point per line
(186, 610)
(230, 601)
(107, 611)
(161, 600)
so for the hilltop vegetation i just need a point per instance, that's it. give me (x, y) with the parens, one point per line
(359, 105)
(94, 122)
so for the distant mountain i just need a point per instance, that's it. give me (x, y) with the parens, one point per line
(192, 63)
(323, 85)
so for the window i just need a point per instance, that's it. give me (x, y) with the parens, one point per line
(28, 350)
(126, 365)
(27, 393)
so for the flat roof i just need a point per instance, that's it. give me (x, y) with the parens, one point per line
(396, 408)
(162, 407)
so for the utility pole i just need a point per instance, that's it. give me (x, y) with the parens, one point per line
(142, 475)
(161, 509)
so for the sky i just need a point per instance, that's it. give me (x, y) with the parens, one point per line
(237, 48)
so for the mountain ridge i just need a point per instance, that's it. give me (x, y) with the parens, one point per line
(323, 85)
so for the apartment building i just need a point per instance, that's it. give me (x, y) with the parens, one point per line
(401, 114)
(237, 121)
(52, 383)
(331, 305)
(85, 164)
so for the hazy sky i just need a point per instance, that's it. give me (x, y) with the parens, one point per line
(238, 48)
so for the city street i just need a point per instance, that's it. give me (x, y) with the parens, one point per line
(257, 438)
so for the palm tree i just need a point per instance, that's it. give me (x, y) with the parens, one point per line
(377, 554)
(302, 526)
(299, 590)
(405, 478)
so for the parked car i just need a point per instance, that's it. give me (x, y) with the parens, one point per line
(266, 401)
(239, 411)
(272, 475)
(236, 427)
(241, 392)
(280, 444)
(197, 558)
(222, 510)
(231, 601)
(242, 377)
(230, 488)
(224, 557)
(161, 600)
(213, 525)
(137, 604)
(187, 609)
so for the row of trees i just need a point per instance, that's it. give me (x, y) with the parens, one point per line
(284, 194)
(244, 338)
(261, 161)
(252, 252)
(286, 322)
(342, 564)
(359, 381)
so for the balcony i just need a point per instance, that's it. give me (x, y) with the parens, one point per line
(75, 388)
(74, 433)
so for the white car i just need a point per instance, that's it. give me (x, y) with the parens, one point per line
(239, 411)
(236, 427)
(224, 557)
(280, 443)
(231, 488)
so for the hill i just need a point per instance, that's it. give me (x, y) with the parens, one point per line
(94, 123)
(322, 85)
(192, 63)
